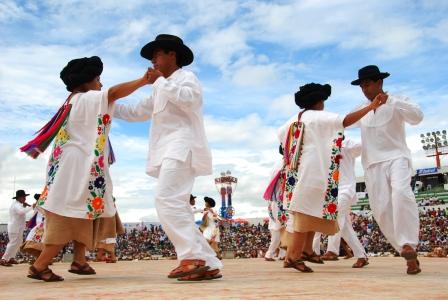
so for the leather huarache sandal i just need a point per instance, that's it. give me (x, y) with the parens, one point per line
(5, 263)
(85, 269)
(207, 275)
(299, 265)
(330, 256)
(410, 255)
(188, 267)
(312, 258)
(46, 275)
(361, 262)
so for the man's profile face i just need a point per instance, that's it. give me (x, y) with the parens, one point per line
(371, 88)
(163, 61)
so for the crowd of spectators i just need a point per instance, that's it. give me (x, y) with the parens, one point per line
(144, 243)
(251, 241)
(247, 241)
(432, 201)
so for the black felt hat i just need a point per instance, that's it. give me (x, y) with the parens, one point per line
(81, 70)
(210, 201)
(169, 42)
(369, 72)
(36, 196)
(311, 93)
(20, 193)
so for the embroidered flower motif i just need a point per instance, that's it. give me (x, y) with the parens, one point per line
(339, 142)
(101, 141)
(62, 136)
(101, 161)
(330, 204)
(43, 196)
(99, 182)
(338, 158)
(106, 119)
(291, 181)
(61, 139)
(332, 208)
(97, 203)
(56, 152)
(334, 192)
(336, 175)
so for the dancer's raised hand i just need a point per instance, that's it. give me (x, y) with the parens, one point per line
(153, 74)
(379, 100)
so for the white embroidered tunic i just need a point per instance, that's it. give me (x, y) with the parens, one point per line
(78, 181)
(320, 133)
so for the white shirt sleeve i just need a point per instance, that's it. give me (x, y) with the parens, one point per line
(353, 148)
(333, 120)
(184, 94)
(20, 209)
(410, 112)
(139, 112)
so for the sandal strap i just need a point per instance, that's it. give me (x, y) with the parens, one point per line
(85, 267)
(194, 262)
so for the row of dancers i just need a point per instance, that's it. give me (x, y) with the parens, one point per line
(77, 200)
(312, 190)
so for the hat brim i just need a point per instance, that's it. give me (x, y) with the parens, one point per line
(375, 77)
(20, 196)
(185, 54)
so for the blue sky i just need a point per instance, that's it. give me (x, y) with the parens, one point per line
(251, 56)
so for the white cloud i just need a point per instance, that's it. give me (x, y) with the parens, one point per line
(246, 52)
(10, 11)
(256, 75)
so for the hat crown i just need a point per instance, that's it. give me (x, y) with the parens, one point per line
(20, 193)
(368, 71)
(169, 37)
(165, 41)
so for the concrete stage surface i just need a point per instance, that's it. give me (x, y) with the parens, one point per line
(384, 278)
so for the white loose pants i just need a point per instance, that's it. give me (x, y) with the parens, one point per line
(393, 202)
(15, 241)
(175, 183)
(316, 242)
(346, 230)
(275, 243)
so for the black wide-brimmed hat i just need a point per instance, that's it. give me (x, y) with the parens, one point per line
(36, 196)
(311, 93)
(369, 72)
(169, 42)
(20, 193)
(210, 201)
(81, 70)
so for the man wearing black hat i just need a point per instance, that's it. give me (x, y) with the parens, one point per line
(386, 160)
(178, 150)
(16, 226)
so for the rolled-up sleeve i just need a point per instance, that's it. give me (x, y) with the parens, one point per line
(184, 93)
(410, 112)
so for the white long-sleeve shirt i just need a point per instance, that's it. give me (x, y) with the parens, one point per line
(17, 217)
(383, 131)
(175, 107)
(347, 180)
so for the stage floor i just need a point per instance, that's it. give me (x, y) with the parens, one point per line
(384, 278)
